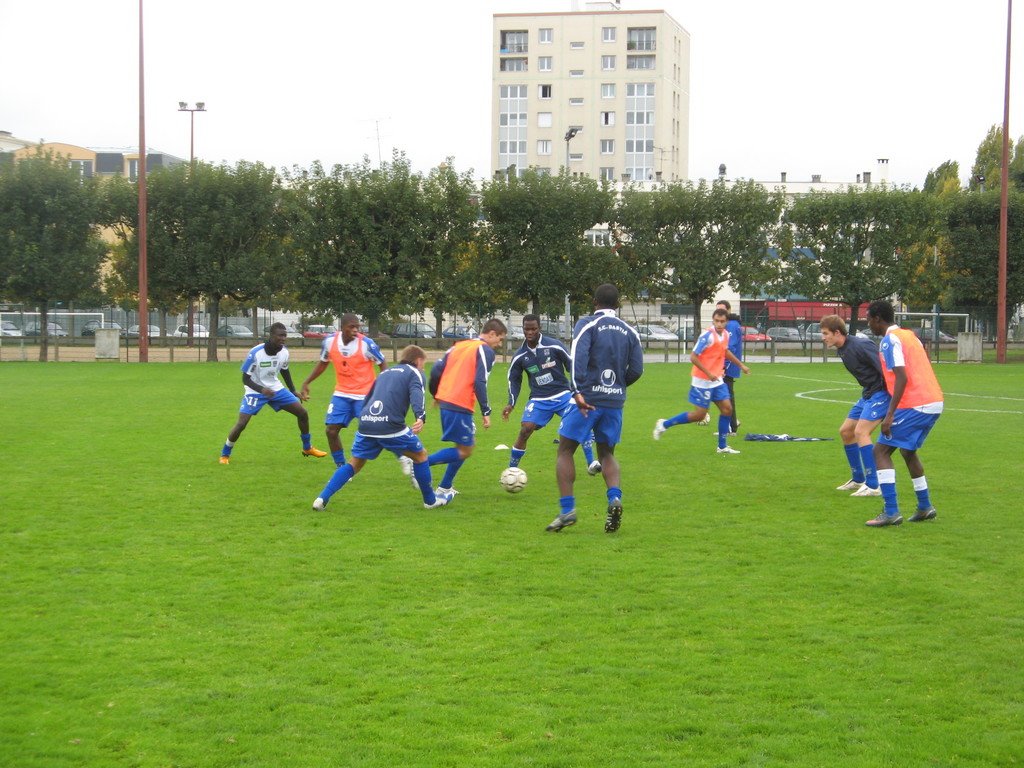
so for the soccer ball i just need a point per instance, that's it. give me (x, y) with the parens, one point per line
(513, 479)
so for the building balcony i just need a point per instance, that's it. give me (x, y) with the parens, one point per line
(641, 45)
(514, 48)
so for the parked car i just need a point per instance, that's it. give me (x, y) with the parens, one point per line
(318, 331)
(459, 332)
(52, 329)
(753, 334)
(553, 329)
(685, 334)
(782, 333)
(290, 332)
(413, 331)
(154, 330)
(655, 333)
(235, 332)
(89, 329)
(198, 331)
(10, 329)
(866, 333)
(812, 332)
(928, 334)
(515, 333)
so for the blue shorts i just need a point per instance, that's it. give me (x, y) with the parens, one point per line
(342, 410)
(252, 404)
(872, 409)
(540, 412)
(909, 428)
(703, 398)
(458, 427)
(368, 447)
(605, 422)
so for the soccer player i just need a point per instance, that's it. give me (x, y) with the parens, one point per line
(382, 426)
(353, 356)
(860, 356)
(544, 361)
(915, 406)
(732, 370)
(458, 381)
(706, 387)
(260, 373)
(607, 357)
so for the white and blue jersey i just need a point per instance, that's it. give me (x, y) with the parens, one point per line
(545, 366)
(263, 369)
(607, 357)
(384, 408)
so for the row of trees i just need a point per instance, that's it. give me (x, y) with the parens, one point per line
(387, 241)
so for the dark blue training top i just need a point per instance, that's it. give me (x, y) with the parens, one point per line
(860, 356)
(607, 357)
(544, 366)
(384, 408)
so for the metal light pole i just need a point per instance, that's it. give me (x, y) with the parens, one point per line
(183, 107)
(569, 136)
(1003, 201)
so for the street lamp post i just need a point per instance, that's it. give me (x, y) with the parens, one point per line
(569, 136)
(199, 107)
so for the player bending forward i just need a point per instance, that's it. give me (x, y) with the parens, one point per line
(382, 426)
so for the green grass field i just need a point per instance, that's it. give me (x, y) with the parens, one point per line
(159, 609)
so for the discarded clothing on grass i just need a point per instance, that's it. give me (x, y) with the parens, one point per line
(784, 438)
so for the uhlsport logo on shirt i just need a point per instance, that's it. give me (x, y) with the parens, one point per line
(376, 409)
(607, 384)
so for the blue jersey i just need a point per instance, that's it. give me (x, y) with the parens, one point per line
(735, 346)
(607, 357)
(544, 365)
(396, 390)
(860, 356)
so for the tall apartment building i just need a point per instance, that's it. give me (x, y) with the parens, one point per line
(604, 91)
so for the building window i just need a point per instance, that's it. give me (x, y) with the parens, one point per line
(607, 34)
(512, 126)
(543, 63)
(576, 102)
(640, 89)
(607, 146)
(543, 91)
(514, 41)
(640, 109)
(607, 63)
(543, 171)
(82, 167)
(576, 157)
(513, 65)
(607, 118)
(641, 39)
(543, 119)
(640, 62)
(546, 35)
(607, 90)
(607, 174)
(544, 147)
(575, 73)
(576, 45)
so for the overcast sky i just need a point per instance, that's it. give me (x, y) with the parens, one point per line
(803, 86)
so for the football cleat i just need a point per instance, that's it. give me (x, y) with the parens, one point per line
(864, 490)
(726, 449)
(406, 464)
(614, 518)
(928, 513)
(594, 468)
(883, 520)
(705, 421)
(659, 429)
(225, 459)
(319, 504)
(562, 521)
(452, 491)
(849, 485)
(314, 452)
(441, 499)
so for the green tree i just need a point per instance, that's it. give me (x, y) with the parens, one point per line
(989, 161)
(944, 180)
(973, 222)
(687, 239)
(535, 228)
(858, 246)
(50, 244)
(216, 232)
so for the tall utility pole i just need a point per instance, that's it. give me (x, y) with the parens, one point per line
(183, 107)
(1004, 183)
(143, 269)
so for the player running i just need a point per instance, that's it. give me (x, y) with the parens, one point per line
(544, 361)
(260, 373)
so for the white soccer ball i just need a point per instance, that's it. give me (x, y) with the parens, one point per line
(513, 479)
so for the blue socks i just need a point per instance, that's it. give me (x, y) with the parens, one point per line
(341, 475)
(517, 456)
(339, 457)
(307, 441)
(682, 418)
(724, 425)
(921, 489)
(424, 479)
(567, 504)
(870, 474)
(887, 482)
(614, 493)
(853, 458)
